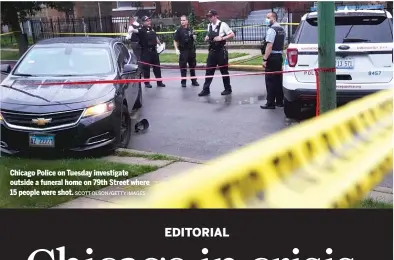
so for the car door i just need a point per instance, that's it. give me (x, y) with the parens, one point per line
(122, 60)
(133, 87)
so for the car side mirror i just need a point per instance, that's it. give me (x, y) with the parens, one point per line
(5, 68)
(130, 69)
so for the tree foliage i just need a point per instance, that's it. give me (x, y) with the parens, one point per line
(13, 12)
(192, 19)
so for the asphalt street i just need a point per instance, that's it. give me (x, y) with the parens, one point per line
(183, 124)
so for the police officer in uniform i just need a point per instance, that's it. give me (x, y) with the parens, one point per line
(133, 37)
(273, 61)
(184, 46)
(218, 33)
(148, 42)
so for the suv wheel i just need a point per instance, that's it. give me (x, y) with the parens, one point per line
(292, 109)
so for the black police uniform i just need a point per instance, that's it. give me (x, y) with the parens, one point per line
(218, 55)
(274, 82)
(187, 48)
(135, 42)
(148, 42)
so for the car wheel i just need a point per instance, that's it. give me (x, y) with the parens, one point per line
(292, 109)
(125, 128)
(138, 102)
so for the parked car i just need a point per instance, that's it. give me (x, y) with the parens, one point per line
(364, 58)
(69, 117)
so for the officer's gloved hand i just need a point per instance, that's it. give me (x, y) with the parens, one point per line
(178, 52)
(194, 37)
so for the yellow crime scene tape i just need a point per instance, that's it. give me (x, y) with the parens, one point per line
(332, 161)
(125, 34)
(9, 33)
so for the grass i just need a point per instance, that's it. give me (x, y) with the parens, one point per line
(9, 55)
(373, 204)
(200, 57)
(256, 61)
(157, 156)
(45, 201)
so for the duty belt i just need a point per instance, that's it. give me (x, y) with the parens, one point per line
(149, 48)
(217, 48)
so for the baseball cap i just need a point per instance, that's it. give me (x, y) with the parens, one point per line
(144, 18)
(212, 12)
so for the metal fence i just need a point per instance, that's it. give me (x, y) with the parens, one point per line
(36, 30)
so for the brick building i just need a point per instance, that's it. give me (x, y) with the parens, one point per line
(226, 9)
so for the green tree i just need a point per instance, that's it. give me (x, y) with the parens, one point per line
(12, 13)
(192, 19)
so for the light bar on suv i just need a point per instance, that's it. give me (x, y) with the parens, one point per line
(354, 7)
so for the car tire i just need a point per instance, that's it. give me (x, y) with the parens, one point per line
(292, 109)
(138, 102)
(125, 127)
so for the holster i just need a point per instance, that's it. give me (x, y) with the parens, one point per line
(263, 47)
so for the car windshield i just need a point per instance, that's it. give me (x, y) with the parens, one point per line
(356, 29)
(65, 61)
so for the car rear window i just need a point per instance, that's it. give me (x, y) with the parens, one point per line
(369, 29)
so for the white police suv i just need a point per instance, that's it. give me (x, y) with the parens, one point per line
(364, 57)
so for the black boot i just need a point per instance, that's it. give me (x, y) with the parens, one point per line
(195, 83)
(268, 106)
(204, 92)
(227, 91)
(183, 83)
(148, 85)
(160, 84)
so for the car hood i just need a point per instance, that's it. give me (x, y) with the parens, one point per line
(52, 94)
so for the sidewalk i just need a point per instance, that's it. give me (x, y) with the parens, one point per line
(168, 168)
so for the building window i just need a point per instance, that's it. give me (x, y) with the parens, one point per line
(132, 5)
(128, 4)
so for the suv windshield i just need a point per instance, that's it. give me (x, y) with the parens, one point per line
(66, 61)
(368, 29)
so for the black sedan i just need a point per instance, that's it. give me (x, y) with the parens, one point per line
(69, 117)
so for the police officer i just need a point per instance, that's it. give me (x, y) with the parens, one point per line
(148, 42)
(133, 37)
(272, 61)
(184, 46)
(218, 33)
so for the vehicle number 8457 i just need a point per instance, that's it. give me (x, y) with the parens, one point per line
(374, 73)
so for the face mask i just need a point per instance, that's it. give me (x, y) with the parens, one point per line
(267, 21)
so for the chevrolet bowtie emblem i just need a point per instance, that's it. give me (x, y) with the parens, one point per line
(41, 121)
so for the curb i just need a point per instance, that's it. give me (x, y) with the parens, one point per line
(383, 190)
(185, 159)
